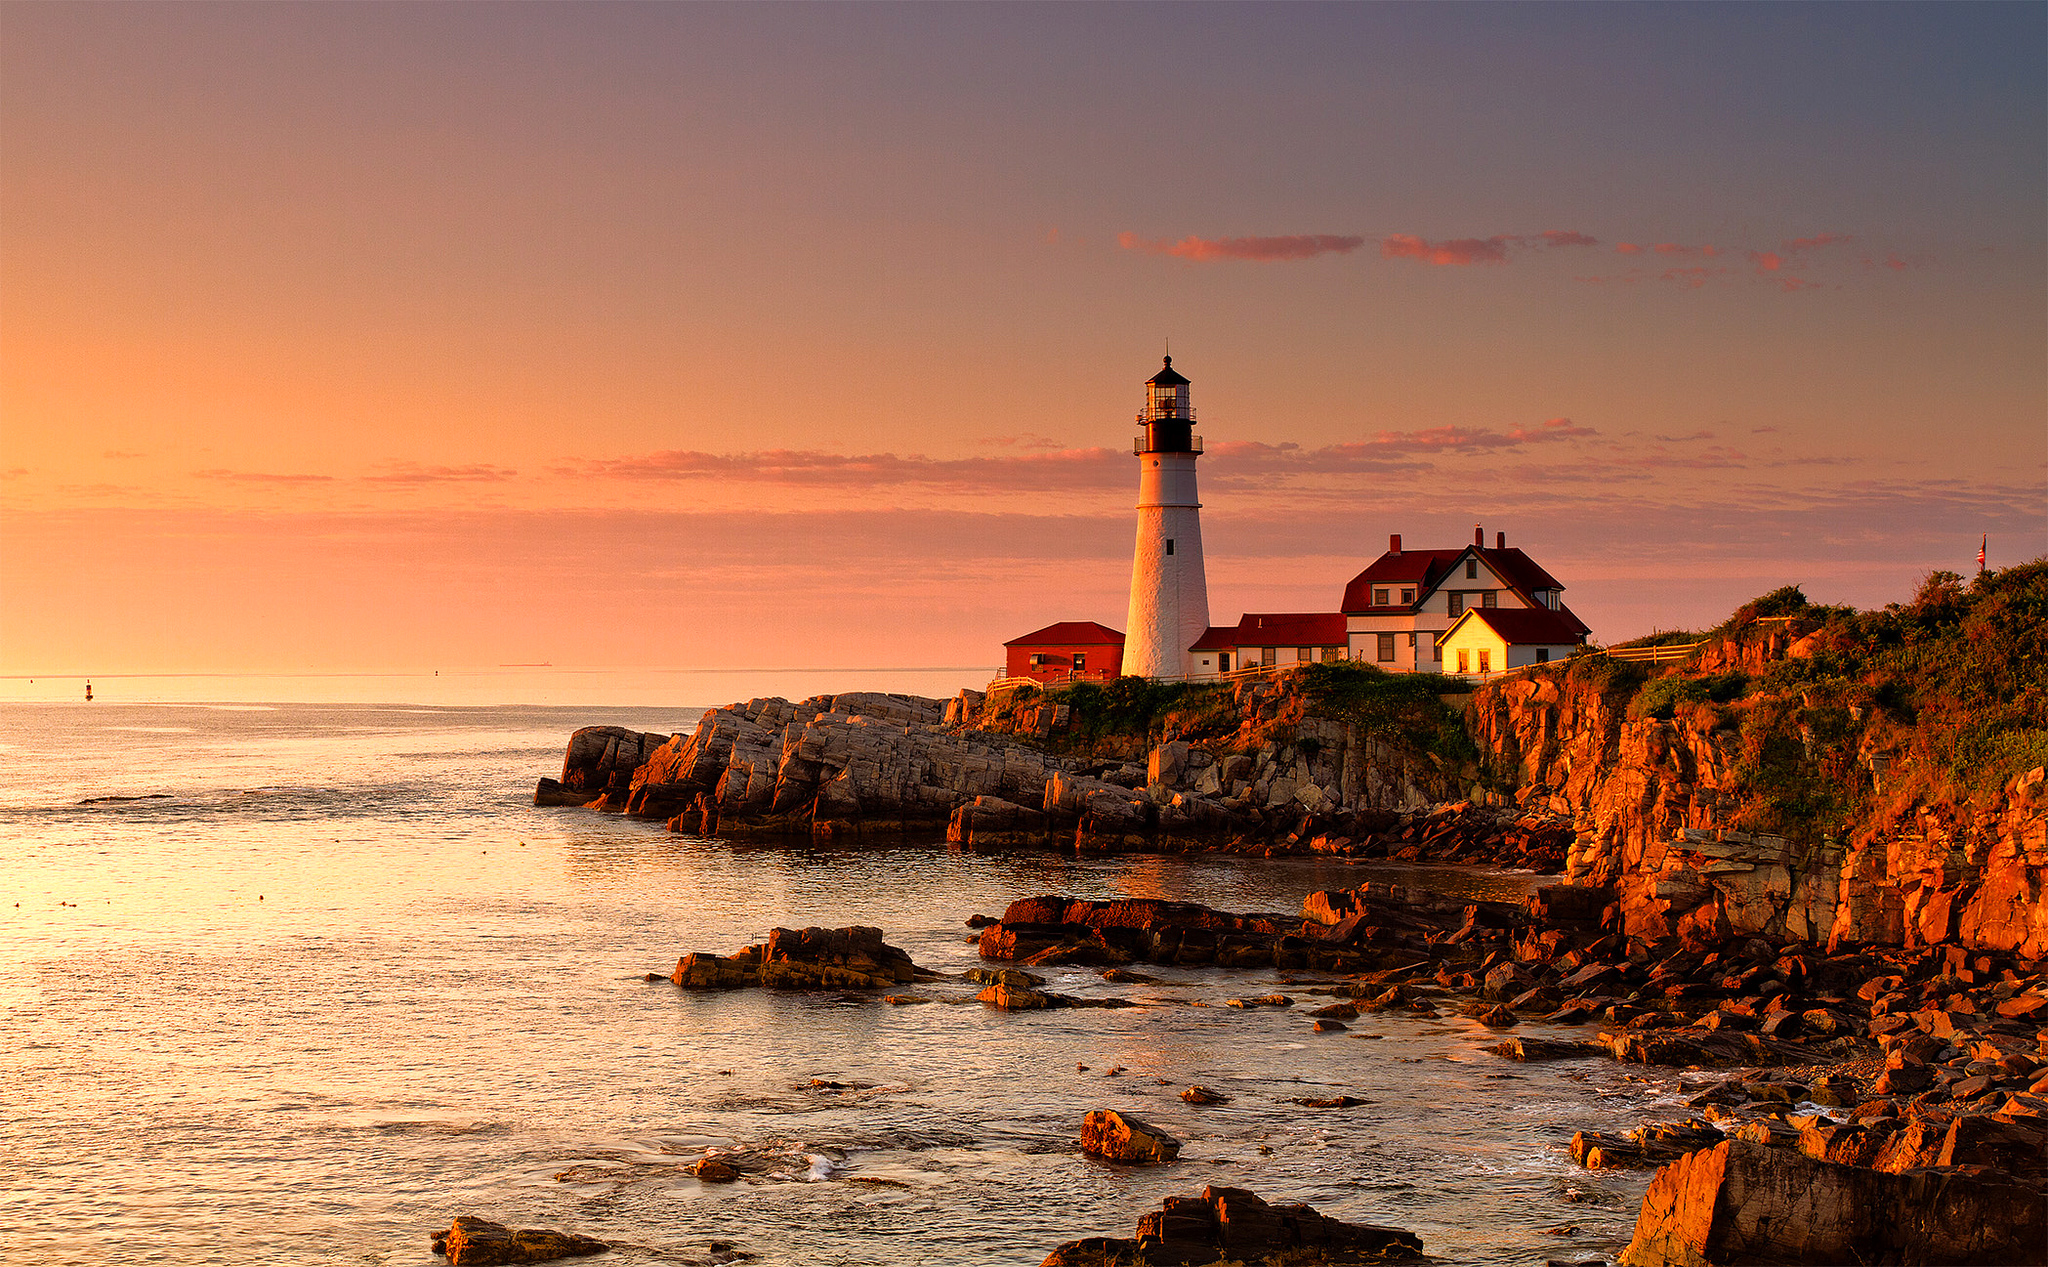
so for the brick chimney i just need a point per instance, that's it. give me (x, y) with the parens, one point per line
(1478, 536)
(1500, 541)
(1394, 543)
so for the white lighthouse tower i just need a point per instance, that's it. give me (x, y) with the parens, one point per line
(1169, 590)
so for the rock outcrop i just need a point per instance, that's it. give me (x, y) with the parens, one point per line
(1740, 1202)
(1124, 1138)
(475, 1242)
(852, 958)
(1666, 812)
(1232, 1225)
(598, 767)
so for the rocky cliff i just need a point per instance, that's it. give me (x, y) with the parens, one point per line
(1252, 766)
(1822, 776)
(1803, 774)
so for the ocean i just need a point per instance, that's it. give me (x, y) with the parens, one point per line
(299, 983)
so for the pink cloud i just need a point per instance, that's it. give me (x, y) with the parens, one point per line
(1795, 245)
(1767, 261)
(1701, 434)
(1628, 248)
(1028, 440)
(1691, 278)
(1299, 246)
(1066, 468)
(415, 473)
(1673, 248)
(1459, 252)
(260, 477)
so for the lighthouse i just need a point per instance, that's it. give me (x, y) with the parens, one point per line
(1169, 590)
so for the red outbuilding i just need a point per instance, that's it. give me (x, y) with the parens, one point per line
(1070, 651)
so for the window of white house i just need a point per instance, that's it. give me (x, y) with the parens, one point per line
(1205, 662)
(1080, 661)
(1484, 656)
(1471, 569)
(1542, 655)
(1457, 602)
(1268, 655)
(1489, 598)
(1223, 662)
(1407, 596)
(1304, 653)
(1436, 647)
(1387, 647)
(1379, 598)
(1332, 654)
(1463, 667)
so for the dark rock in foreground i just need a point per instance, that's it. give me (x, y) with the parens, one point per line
(475, 1242)
(852, 958)
(1740, 1203)
(1131, 1140)
(1235, 1226)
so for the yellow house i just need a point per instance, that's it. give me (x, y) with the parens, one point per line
(1489, 639)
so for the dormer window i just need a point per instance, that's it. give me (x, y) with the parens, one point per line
(1407, 598)
(1379, 598)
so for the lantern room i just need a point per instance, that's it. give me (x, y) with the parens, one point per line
(1168, 418)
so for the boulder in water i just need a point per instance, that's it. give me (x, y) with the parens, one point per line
(475, 1242)
(1236, 1226)
(1121, 1137)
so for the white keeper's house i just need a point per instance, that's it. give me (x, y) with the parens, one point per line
(1416, 609)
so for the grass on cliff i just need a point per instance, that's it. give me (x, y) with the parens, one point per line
(1404, 708)
(1948, 692)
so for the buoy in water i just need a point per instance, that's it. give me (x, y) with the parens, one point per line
(88, 692)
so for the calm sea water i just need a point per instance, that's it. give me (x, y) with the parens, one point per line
(330, 980)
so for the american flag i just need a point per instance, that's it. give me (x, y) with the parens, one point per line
(1980, 551)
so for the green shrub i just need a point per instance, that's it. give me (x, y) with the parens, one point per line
(1660, 697)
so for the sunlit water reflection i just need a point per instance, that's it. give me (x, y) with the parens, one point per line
(340, 982)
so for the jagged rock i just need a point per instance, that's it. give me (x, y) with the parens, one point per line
(1741, 1203)
(1123, 1138)
(475, 1242)
(852, 958)
(1236, 1226)
(1204, 1095)
(1061, 930)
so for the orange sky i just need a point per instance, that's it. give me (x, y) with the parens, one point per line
(367, 337)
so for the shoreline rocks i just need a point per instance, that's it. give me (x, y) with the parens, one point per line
(1237, 1226)
(853, 958)
(1121, 1137)
(475, 1242)
(1741, 1202)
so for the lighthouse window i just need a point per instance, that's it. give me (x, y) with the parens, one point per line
(1169, 545)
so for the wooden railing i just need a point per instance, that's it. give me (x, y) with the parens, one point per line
(1655, 655)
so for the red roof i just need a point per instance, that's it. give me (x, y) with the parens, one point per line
(1277, 629)
(1526, 626)
(1069, 633)
(1426, 569)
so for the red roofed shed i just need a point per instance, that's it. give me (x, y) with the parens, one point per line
(1068, 651)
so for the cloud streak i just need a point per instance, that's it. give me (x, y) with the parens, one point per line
(1295, 246)
(1464, 252)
